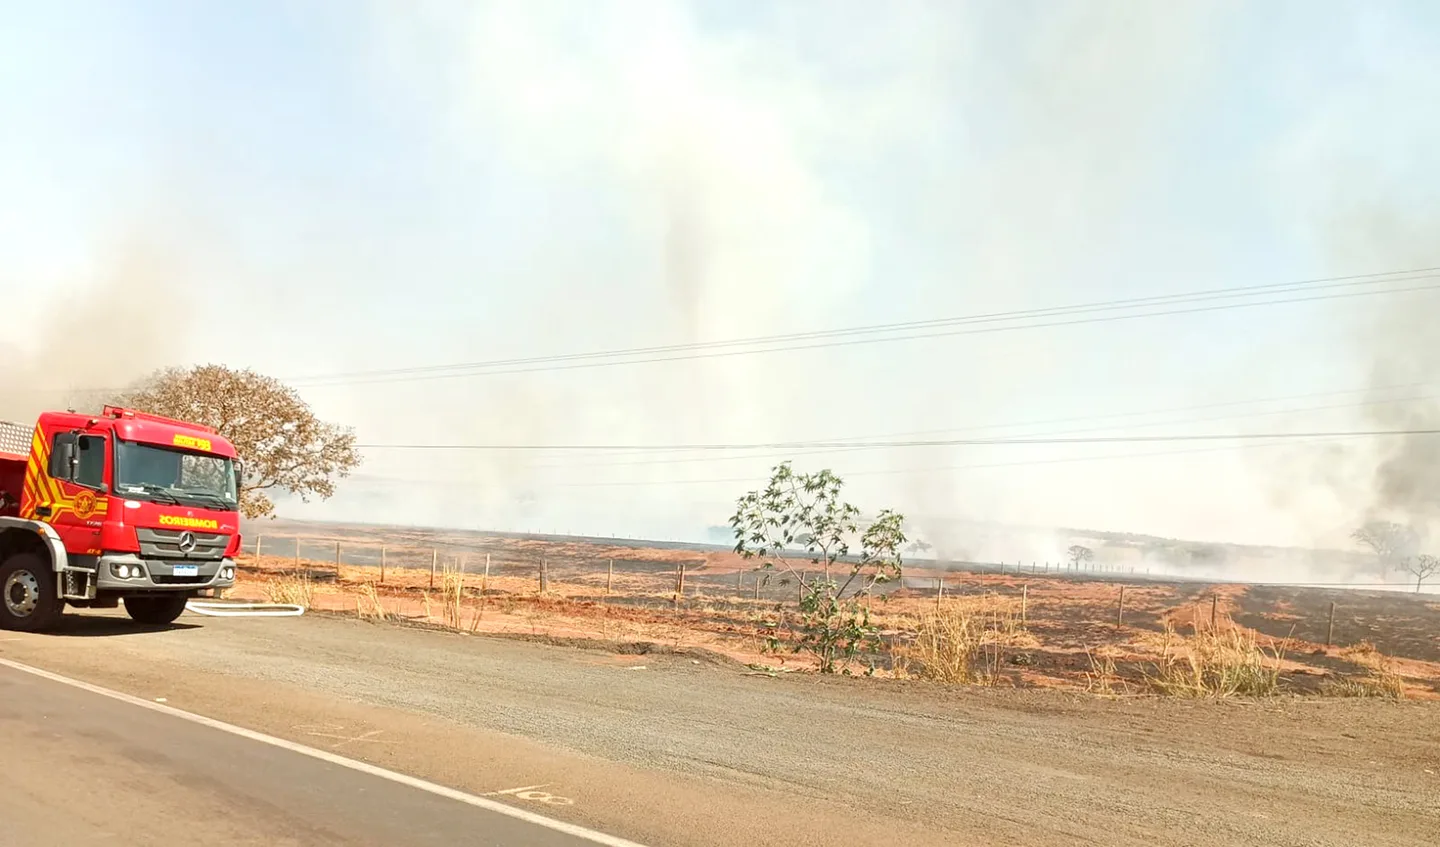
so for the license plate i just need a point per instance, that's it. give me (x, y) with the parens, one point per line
(187, 570)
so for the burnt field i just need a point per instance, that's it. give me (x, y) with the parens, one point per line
(1084, 631)
(1403, 625)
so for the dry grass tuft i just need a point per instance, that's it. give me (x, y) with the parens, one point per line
(1380, 679)
(1103, 678)
(1217, 663)
(291, 590)
(964, 641)
(452, 597)
(368, 605)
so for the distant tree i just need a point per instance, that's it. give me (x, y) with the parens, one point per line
(1078, 555)
(1392, 543)
(803, 515)
(283, 445)
(1204, 553)
(1422, 567)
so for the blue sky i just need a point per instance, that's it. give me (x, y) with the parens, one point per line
(341, 186)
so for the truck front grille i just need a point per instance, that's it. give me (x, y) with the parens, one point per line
(165, 544)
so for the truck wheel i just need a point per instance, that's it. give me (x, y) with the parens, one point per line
(29, 601)
(156, 611)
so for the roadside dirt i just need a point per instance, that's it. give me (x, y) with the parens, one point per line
(675, 749)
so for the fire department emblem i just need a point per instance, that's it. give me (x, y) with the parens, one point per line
(84, 505)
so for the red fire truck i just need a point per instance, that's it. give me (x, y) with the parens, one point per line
(123, 506)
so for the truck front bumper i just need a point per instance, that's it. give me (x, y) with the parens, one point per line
(128, 572)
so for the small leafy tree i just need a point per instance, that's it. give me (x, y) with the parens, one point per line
(1422, 567)
(1078, 555)
(804, 516)
(1392, 543)
(283, 445)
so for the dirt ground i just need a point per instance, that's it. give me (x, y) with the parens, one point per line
(1062, 631)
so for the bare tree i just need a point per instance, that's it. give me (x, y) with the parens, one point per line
(283, 445)
(1079, 555)
(1392, 543)
(1422, 567)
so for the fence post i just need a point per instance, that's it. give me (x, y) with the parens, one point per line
(337, 561)
(297, 551)
(544, 575)
(485, 580)
(259, 542)
(434, 561)
(939, 591)
(1214, 610)
(1120, 614)
(382, 564)
(609, 577)
(758, 580)
(1330, 627)
(680, 585)
(739, 580)
(1024, 601)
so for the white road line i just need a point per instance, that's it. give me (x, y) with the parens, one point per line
(324, 756)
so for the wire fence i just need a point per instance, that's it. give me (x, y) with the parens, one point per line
(1063, 605)
(517, 561)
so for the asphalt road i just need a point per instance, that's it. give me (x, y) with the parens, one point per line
(681, 751)
(79, 768)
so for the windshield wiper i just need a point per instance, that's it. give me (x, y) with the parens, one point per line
(159, 492)
(208, 497)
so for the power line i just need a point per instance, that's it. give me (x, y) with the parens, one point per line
(842, 337)
(738, 480)
(807, 452)
(948, 442)
(847, 336)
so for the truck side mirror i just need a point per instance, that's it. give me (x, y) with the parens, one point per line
(63, 456)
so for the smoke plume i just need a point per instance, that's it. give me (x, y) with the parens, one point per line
(96, 333)
(1400, 343)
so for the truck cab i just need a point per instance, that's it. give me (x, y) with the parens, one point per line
(124, 506)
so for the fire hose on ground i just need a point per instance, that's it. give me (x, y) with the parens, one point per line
(245, 610)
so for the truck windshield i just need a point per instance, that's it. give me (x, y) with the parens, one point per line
(164, 474)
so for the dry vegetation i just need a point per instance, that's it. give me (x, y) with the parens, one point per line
(966, 640)
(1217, 663)
(291, 589)
(1379, 679)
(987, 629)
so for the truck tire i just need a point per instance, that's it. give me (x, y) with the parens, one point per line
(29, 600)
(157, 611)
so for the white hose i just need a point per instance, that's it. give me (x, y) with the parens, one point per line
(245, 610)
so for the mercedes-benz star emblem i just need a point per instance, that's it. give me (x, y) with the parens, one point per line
(187, 542)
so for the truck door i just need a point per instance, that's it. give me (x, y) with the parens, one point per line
(69, 493)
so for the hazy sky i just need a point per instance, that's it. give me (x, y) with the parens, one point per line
(311, 188)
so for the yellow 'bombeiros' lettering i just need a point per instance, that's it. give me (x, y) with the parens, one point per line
(191, 523)
(192, 442)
